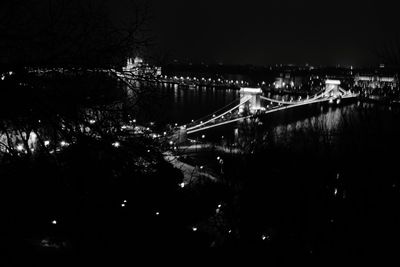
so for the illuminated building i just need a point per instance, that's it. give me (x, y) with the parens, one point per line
(376, 81)
(139, 68)
(288, 80)
(253, 104)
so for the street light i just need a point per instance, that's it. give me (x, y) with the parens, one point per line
(116, 144)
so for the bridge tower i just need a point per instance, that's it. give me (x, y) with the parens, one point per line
(332, 88)
(253, 104)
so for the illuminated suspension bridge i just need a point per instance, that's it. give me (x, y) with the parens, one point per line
(252, 103)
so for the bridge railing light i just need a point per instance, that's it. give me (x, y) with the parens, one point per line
(64, 143)
(116, 144)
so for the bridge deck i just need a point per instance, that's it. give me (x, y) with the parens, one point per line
(233, 114)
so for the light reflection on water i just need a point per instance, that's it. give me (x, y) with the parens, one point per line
(328, 122)
(176, 104)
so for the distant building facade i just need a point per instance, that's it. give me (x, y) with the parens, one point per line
(376, 81)
(288, 80)
(139, 68)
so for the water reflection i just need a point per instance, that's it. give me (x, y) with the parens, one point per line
(183, 104)
(329, 121)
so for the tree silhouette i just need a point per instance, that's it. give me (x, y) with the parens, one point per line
(71, 33)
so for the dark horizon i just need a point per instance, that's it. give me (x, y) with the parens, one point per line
(189, 63)
(347, 33)
(277, 32)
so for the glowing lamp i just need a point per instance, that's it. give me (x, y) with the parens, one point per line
(116, 144)
(333, 82)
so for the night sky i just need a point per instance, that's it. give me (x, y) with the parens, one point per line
(346, 32)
